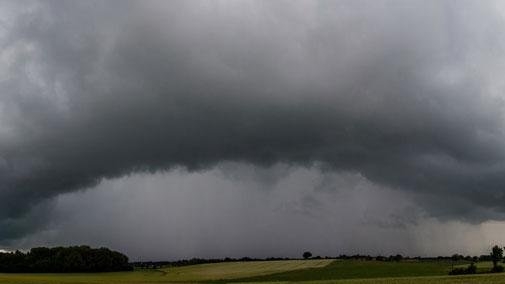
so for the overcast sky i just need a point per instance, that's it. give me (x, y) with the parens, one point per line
(174, 129)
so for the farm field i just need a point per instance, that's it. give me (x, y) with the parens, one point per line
(300, 271)
(353, 269)
(234, 270)
(480, 279)
(193, 273)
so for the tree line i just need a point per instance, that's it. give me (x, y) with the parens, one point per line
(308, 255)
(64, 259)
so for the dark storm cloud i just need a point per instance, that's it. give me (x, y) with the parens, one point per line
(406, 93)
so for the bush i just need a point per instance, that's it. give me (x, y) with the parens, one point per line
(458, 271)
(471, 269)
(497, 269)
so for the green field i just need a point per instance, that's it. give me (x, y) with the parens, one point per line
(302, 271)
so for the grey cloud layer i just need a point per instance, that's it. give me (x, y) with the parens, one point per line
(237, 210)
(406, 93)
(210, 214)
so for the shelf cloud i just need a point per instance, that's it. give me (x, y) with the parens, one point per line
(406, 94)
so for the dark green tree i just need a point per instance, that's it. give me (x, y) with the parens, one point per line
(307, 254)
(496, 255)
(64, 259)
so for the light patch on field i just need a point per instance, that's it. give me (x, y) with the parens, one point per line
(230, 270)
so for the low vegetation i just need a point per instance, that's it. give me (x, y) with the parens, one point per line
(408, 271)
(310, 270)
(471, 269)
